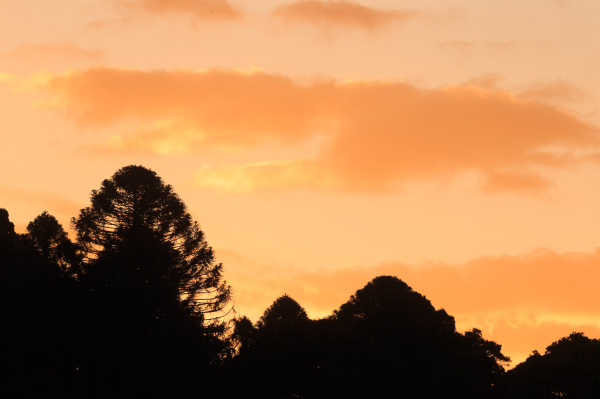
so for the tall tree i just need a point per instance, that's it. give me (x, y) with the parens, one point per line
(156, 295)
(135, 209)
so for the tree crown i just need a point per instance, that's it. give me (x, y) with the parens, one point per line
(136, 213)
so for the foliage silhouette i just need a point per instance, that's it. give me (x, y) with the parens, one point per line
(135, 202)
(37, 304)
(284, 313)
(386, 341)
(274, 359)
(155, 294)
(403, 347)
(569, 368)
(51, 240)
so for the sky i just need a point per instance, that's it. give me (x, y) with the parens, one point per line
(321, 143)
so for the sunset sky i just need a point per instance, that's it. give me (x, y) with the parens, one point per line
(319, 144)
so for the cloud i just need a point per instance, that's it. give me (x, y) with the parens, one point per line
(8, 78)
(198, 10)
(558, 91)
(463, 46)
(488, 81)
(374, 134)
(388, 134)
(212, 108)
(341, 14)
(523, 302)
(558, 287)
(53, 51)
(507, 181)
(246, 178)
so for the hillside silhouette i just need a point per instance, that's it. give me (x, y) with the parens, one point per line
(137, 306)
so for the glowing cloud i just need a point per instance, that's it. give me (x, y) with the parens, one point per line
(244, 178)
(7, 78)
(212, 107)
(347, 14)
(197, 9)
(376, 134)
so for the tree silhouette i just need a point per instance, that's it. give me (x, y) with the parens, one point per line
(386, 341)
(389, 341)
(284, 313)
(155, 294)
(135, 202)
(244, 334)
(37, 308)
(52, 242)
(7, 228)
(569, 368)
(275, 358)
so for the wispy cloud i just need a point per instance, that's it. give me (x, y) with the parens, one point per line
(199, 10)
(341, 14)
(464, 46)
(558, 91)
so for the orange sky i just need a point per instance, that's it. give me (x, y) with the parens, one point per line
(323, 143)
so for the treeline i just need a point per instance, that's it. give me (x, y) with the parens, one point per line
(137, 307)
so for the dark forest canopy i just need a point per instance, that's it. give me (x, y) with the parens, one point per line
(137, 307)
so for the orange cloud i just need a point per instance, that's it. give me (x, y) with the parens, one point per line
(211, 108)
(507, 181)
(524, 302)
(45, 52)
(245, 178)
(389, 133)
(197, 9)
(557, 91)
(488, 81)
(557, 287)
(342, 13)
(375, 134)
(463, 46)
